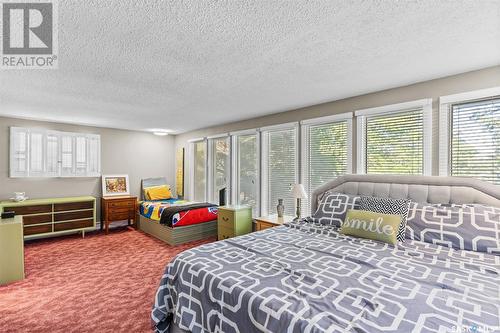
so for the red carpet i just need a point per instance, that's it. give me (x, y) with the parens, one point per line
(97, 284)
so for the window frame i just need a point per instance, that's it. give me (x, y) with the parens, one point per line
(191, 152)
(305, 126)
(363, 114)
(264, 160)
(210, 182)
(445, 131)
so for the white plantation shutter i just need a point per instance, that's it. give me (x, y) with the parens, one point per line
(326, 155)
(219, 167)
(395, 143)
(279, 168)
(246, 171)
(200, 170)
(475, 140)
(43, 153)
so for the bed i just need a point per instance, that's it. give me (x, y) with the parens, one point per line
(307, 277)
(176, 221)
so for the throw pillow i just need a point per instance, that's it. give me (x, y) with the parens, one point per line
(157, 192)
(333, 208)
(388, 206)
(371, 225)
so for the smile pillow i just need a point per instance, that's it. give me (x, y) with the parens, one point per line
(371, 225)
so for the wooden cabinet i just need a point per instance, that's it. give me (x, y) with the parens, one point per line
(11, 250)
(234, 221)
(118, 209)
(265, 222)
(48, 217)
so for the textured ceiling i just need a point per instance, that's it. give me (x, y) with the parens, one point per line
(143, 64)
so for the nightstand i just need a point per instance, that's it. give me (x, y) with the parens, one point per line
(11, 250)
(234, 221)
(118, 209)
(270, 221)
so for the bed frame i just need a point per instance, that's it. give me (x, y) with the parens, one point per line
(173, 236)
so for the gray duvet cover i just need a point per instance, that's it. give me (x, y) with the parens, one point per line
(306, 277)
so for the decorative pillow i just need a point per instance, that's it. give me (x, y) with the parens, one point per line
(372, 225)
(388, 206)
(333, 208)
(157, 192)
(465, 227)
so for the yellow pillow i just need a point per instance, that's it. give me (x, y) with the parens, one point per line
(371, 225)
(157, 192)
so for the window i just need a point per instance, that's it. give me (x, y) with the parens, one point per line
(246, 170)
(279, 167)
(395, 139)
(43, 153)
(326, 151)
(219, 167)
(199, 170)
(470, 138)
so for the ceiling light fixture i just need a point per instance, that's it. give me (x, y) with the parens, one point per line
(160, 133)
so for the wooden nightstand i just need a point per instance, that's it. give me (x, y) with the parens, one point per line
(118, 209)
(234, 221)
(270, 221)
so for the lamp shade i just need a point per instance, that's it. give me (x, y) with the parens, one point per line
(299, 192)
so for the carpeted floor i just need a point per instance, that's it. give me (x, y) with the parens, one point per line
(97, 284)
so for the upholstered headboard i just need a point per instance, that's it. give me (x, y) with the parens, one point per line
(424, 189)
(148, 182)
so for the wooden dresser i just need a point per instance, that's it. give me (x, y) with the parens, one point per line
(54, 216)
(118, 208)
(11, 250)
(233, 221)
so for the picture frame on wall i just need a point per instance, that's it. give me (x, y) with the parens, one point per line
(113, 185)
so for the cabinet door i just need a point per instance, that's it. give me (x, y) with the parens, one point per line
(18, 152)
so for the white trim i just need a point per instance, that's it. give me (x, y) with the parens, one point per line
(196, 140)
(279, 126)
(217, 136)
(445, 104)
(327, 119)
(422, 104)
(470, 95)
(245, 132)
(399, 107)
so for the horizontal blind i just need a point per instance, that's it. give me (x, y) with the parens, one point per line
(220, 167)
(394, 143)
(200, 165)
(247, 171)
(281, 169)
(326, 155)
(475, 140)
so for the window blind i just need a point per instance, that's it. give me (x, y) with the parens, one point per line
(220, 166)
(281, 169)
(394, 143)
(200, 153)
(247, 171)
(475, 140)
(326, 155)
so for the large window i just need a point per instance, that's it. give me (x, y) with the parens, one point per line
(279, 168)
(199, 170)
(326, 151)
(246, 171)
(395, 139)
(219, 167)
(43, 153)
(470, 138)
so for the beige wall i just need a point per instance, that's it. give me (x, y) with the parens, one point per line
(138, 154)
(485, 78)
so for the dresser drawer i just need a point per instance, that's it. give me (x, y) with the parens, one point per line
(264, 225)
(60, 207)
(73, 225)
(120, 216)
(35, 219)
(122, 204)
(224, 233)
(25, 210)
(37, 229)
(225, 218)
(73, 215)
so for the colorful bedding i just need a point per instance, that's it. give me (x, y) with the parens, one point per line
(153, 210)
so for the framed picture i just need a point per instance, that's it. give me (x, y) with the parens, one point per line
(115, 185)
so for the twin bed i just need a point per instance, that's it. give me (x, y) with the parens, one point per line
(308, 277)
(175, 221)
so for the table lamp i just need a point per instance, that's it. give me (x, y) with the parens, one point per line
(299, 193)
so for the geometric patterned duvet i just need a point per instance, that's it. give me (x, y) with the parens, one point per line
(305, 277)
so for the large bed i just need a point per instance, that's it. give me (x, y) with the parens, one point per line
(153, 220)
(308, 277)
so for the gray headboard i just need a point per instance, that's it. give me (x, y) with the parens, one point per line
(148, 182)
(424, 189)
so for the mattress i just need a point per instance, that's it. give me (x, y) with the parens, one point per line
(306, 277)
(185, 214)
